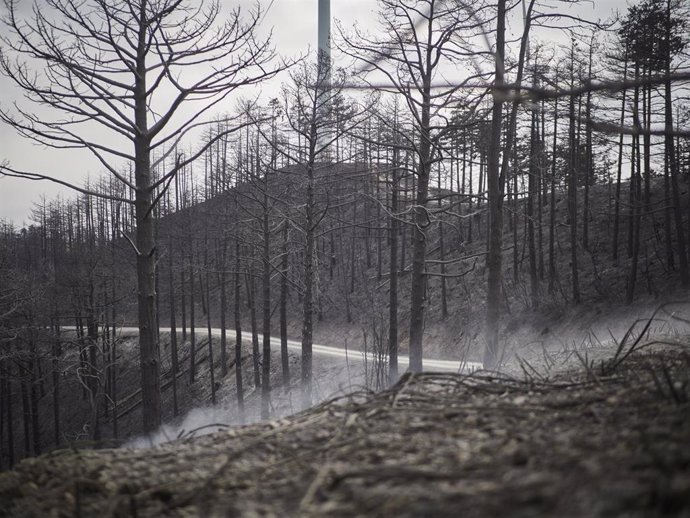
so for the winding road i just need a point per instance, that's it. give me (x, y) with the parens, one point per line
(334, 352)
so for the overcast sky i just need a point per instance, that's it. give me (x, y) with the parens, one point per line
(294, 32)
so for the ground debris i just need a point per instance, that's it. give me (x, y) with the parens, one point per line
(581, 443)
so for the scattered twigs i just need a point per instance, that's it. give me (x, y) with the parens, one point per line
(623, 350)
(184, 434)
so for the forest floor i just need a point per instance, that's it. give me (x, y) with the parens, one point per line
(606, 438)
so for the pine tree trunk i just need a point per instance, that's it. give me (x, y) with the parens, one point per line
(307, 301)
(572, 194)
(57, 352)
(173, 330)
(636, 209)
(418, 288)
(442, 254)
(192, 322)
(211, 371)
(494, 258)
(471, 193)
(223, 314)
(552, 202)
(541, 192)
(533, 192)
(284, 356)
(145, 244)
(266, 291)
(673, 163)
(514, 218)
(34, 393)
(183, 300)
(113, 363)
(589, 178)
(616, 216)
(647, 116)
(256, 355)
(393, 271)
(238, 335)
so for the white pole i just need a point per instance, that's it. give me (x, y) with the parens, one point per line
(324, 71)
(324, 41)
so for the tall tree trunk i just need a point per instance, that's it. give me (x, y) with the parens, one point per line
(393, 270)
(403, 228)
(636, 151)
(223, 313)
(636, 210)
(173, 330)
(589, 178)
(673, 163)
(145, 243)
(495, 195)
(266, 291)
(284, 356)
(192, 322)
(418, 289)
(308, 299)
(552, 201)
(238, 334)
(496, 177)
(33, 393)
(616, 216)
(92, 350)
(513, 215)
(533, 192)
(211, 371)
(647, 117)
(442, 252)
(572, 189)
(57, 352)
(183, 301)
(668, 209)
(471, 193)
(251, 301)
(542, 191)
(379, 235)
(113, 360)
(35, 420)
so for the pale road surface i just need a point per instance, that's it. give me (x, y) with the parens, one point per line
(333, 352)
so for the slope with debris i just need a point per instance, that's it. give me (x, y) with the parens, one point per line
(604, 439)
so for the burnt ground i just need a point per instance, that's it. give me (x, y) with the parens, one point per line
(608, 438)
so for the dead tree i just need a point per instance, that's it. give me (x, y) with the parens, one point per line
(108, 64)
(418, 41)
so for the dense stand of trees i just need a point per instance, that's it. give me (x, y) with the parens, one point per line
(423, 202)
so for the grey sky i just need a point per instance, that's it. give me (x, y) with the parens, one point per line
(294, 32)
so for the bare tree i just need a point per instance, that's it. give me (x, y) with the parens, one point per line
(128, 68)
(420, 38)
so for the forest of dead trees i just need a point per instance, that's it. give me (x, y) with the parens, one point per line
(380, 198)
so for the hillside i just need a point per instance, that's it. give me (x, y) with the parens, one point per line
(353, 291)
(351, 306)
(608, 440)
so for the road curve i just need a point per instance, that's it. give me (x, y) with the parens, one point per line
(334, 352)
